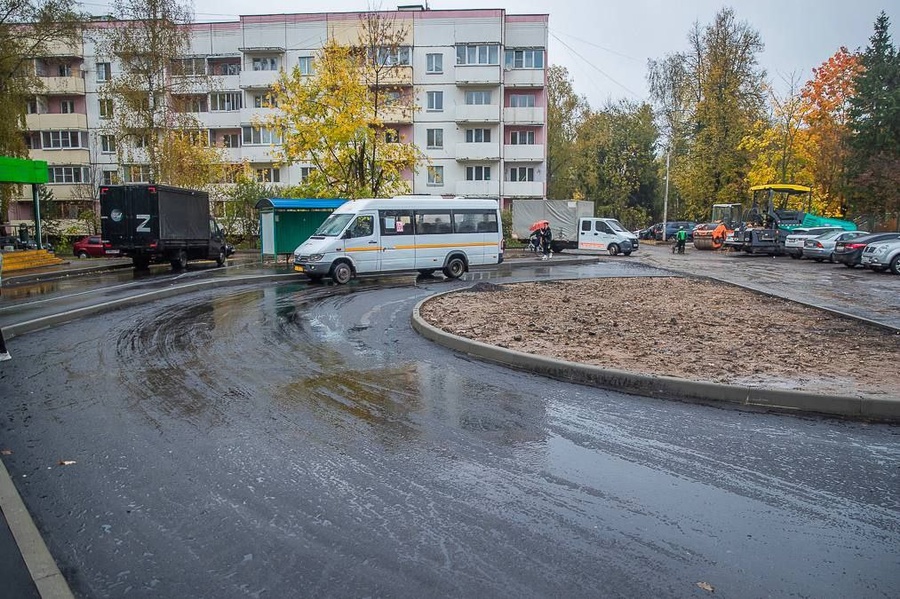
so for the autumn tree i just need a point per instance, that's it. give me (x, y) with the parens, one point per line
(152, 94)
(713, 93)
(28, 29)
(875, 124)
(565, 114)
(826, 99)
(339, 118)
(615, 161)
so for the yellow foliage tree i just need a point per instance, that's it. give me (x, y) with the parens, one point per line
(187, 160)
(333, 120)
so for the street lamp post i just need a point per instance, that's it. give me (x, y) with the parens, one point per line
(666, 198)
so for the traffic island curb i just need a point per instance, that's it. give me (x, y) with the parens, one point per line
(662, 387)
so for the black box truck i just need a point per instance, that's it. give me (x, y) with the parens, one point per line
(159, 223)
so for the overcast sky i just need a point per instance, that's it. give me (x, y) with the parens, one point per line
(605, 44)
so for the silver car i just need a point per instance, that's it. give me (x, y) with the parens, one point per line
(882, 255)
(793, 244)
(822, 247)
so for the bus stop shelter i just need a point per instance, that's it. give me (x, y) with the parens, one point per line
(285, 223)
(23, 171)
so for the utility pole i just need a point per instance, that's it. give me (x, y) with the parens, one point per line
(666, 198)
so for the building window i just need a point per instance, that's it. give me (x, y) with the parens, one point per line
(31, 107)
(268, 175)
(269, 63)
(33, 140)
(104, 72)
(107, 144)
(137, 173)
(435, 138)
(521, 101)
(521, 138)
(305, 64)
(435, 176)
(106, 109)
(305, 172)
(192, 104)
(189, 67)
(478, 136)
(525, 59)
(110, 177)
(434, 63)
(479, 98)
(478, 173)
(69, 174)
(478, 54)
(63, 70)
(521, 173)
(63, 140)
(391, 136)
(265, 100)
(231, 140)
(67, 106)
(259, 135)
(224, 101)
(391, 56)
(435, 101)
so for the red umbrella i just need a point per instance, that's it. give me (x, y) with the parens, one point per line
(537, 225)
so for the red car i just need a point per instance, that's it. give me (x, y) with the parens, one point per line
(88, 247)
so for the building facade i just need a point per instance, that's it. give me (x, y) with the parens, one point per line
(478, 78)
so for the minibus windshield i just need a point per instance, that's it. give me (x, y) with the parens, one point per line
(333, 225)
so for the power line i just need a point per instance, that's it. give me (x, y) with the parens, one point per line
(604, 48)
(593, 66)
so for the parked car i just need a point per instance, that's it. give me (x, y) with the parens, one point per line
(882, 255)
(11, 242)
(849, 252)
(672, 228)
(793, 243)
(90, 246)
(822, 247)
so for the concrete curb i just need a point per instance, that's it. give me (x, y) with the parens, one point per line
(40, 563)
(664, 387)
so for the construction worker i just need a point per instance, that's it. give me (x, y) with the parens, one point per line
(680, 240)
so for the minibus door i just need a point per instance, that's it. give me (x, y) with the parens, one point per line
(361, 243)
(591, 236)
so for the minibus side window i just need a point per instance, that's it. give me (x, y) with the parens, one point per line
(364, 226)
(396, 222)
(433, 222)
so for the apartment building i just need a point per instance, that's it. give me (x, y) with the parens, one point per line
(477, 76)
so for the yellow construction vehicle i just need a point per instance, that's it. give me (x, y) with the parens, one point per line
(725, 219)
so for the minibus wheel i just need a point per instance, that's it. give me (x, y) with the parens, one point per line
(341, 273)
(613, 249)
(455, 268)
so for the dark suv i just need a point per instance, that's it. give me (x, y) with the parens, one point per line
(88, 247)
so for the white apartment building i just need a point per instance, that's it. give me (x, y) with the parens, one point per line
(478, 76)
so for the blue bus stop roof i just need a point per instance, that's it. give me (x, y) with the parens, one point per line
(295, 203)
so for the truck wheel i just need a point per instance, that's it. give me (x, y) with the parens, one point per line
(180, 262)
(895, 265)
(141, 262)
(613, 249)
(455, 268)
(341, 273)
(220, 259)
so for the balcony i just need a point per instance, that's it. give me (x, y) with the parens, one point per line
(254, 116)
(63, 86)
(524, 78)
(466, 113)
(396, 75)
(477, 74)
(262, 154)
(59, 121)
(478, 151)
(257, 79)
(51, 157)
(478, 188)
(224, 82)
(182, 85)
(524, 116)
(523, 189)
(396, 114)
(63, 48)
(523, 153)
(220, 119)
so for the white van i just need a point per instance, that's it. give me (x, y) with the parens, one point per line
(424, 234)
(605, 235)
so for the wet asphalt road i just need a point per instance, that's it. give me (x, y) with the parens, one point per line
(287, 441)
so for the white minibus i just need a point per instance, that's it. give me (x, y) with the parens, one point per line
(409, 233)
(605, 235)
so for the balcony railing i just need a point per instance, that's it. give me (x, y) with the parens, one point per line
(524, 116)
(523, 189)
(523, 78)
(478, 151)
(63, 86)
(44, 121)
(477, 74)
(467, 113)
(478, 188)
(523, 153)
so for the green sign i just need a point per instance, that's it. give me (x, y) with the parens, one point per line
(19, 170)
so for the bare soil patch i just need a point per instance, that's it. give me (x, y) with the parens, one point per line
(680, 327)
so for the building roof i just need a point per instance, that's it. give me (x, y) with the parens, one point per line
(295, 203)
